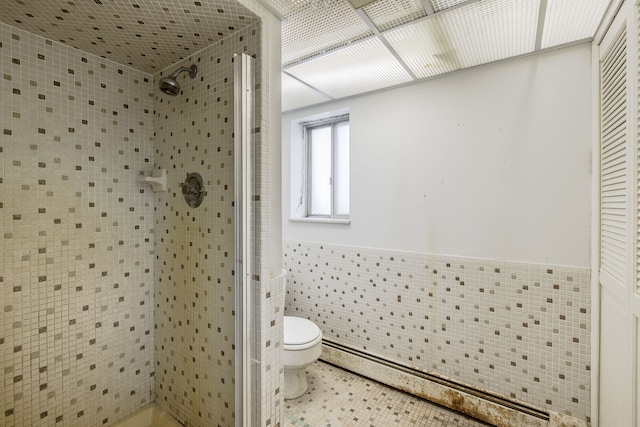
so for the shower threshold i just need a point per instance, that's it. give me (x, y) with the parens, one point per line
(149, 416)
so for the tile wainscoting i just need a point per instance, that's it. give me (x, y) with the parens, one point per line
(517, 330)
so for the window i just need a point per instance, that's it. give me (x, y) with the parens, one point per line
(327, 167)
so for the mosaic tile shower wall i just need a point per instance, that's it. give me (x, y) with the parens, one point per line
(76, 263)
(268, 284)
(515, 329)
(195, 247)
(270, 343)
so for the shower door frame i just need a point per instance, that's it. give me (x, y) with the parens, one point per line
(245, 390)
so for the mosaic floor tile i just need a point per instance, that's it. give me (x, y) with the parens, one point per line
(339, 398)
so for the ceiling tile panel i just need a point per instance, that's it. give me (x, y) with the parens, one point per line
(570, 20)
(363, 67)
(425, 47)
(440, 5)
(491, 30)
(387, 14)
(315, 29)
(283, 8)
(297, 95)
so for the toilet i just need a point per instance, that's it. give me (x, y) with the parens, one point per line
(302, 347)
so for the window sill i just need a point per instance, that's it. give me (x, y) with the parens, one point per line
(345, 221)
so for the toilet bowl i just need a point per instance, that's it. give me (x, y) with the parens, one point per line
(302, 346)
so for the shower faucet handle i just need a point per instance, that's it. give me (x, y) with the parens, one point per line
(193, 189)
(187, 189)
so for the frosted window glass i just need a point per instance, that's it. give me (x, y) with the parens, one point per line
(320, 168)
(341, 169)
(327, 168)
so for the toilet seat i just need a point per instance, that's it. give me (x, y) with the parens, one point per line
(300, 334)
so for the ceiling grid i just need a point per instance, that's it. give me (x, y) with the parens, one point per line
(386, 15)
(314, 29)
(351, 70)
(428, 38)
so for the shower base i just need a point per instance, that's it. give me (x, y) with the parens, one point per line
(149, 416)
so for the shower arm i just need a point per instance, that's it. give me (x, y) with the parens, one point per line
(191, 70)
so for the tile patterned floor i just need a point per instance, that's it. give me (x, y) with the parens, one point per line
(338, 398)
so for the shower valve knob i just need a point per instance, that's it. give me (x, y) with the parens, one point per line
(193, 190)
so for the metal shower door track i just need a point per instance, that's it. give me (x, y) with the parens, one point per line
(245, 402)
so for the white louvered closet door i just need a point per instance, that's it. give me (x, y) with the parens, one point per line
(619, 308)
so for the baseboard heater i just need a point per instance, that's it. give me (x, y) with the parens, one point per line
(476, 403)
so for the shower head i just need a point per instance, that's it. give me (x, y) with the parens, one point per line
(170, 85)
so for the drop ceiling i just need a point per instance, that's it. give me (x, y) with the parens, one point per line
(331, 49)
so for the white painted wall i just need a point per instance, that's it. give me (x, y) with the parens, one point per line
(492, 162)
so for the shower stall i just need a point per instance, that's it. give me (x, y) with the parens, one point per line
(116, 293)
(200, 228)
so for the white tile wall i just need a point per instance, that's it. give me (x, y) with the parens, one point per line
(76, 263)
(518, 330)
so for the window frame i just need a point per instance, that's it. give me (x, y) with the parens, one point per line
(306, 130)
